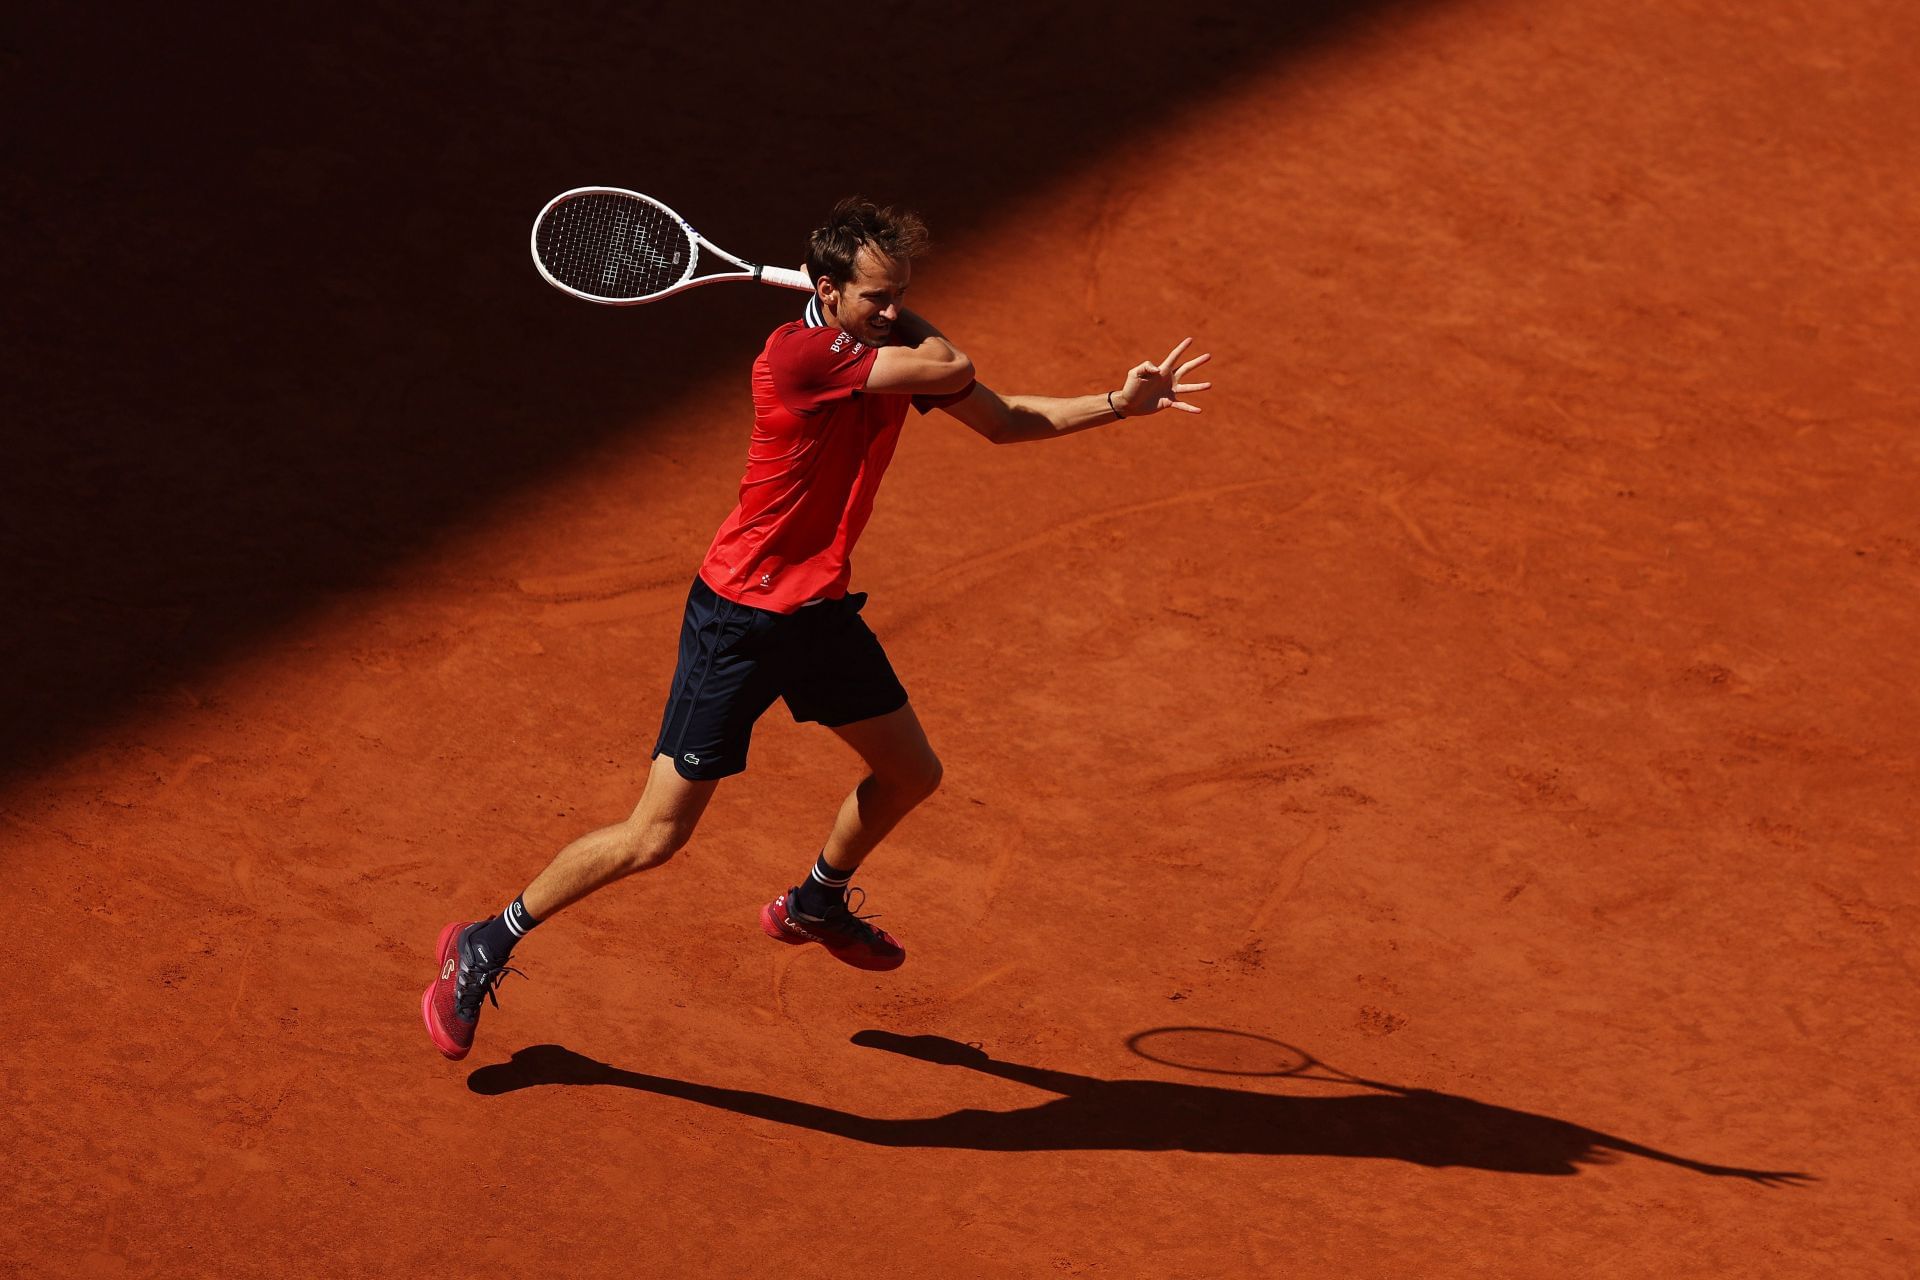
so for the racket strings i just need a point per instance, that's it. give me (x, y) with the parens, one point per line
(614, 246)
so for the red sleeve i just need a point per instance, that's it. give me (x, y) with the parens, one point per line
(813, 368)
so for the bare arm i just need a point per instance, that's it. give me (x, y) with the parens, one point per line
(1149, 388)
(918, 361)
(1013, 419)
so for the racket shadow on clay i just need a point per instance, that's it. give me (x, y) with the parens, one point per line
(1382, 1121)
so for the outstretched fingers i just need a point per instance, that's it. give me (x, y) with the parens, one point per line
(1174, 355)
(1187, 388)
(1152, 387)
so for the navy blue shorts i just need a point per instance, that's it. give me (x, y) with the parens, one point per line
(736, 659)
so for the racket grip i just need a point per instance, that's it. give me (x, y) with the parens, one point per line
(786, 278)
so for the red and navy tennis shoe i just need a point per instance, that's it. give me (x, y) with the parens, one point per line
(451, 1002)
(846, 936)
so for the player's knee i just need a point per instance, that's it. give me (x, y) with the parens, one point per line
(909, 781)
(644, 846)
(926, 778)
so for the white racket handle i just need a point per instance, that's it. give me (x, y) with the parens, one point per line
(787, 278)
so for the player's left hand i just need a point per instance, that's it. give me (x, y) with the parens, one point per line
(1152, 387)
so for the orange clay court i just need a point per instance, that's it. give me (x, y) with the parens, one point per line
(1503, 693)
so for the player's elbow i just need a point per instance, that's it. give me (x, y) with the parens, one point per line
(956, 374)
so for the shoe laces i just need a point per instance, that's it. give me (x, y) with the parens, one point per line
(475, 983)
(845, 914)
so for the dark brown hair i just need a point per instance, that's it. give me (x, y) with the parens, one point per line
(856, 221)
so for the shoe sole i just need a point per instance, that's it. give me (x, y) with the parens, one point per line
(774, 927)
(448, 1049)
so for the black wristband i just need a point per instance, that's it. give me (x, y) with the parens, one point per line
(1116, 412)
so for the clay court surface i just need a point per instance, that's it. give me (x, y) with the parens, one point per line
(1505, 692)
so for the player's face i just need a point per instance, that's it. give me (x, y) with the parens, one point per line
(867, 305)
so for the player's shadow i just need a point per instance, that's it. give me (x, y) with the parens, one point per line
(1382, 1121)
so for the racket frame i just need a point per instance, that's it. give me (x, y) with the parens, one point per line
(784, 277)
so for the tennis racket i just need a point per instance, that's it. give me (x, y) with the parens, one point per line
(620, 248)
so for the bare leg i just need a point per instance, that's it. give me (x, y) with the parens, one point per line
(659, 827)
(902, 771)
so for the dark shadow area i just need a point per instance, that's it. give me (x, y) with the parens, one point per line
(273, 324)
(1386, 1122)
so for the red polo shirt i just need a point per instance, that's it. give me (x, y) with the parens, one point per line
(820, 446)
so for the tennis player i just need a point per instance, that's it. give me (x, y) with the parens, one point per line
(769, 614)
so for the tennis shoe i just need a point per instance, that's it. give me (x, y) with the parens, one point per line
(451, 1002)
(846, 936)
